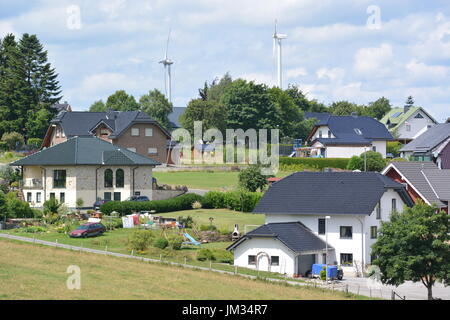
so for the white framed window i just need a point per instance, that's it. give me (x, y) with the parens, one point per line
(148, 132)
(135, 132)
(104, 132)
(408, 127)
(152, 151)
(38, 197)
(132, 149)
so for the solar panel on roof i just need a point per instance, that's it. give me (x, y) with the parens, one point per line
(396, 115)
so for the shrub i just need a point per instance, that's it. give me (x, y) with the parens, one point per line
(234, 200)
(208, 227)
(252, 179)
(34, 143)
(196, 205)
(175, 242)
(161, 243)
(17, 208)
(140, 240)
(187, 222)
(323, 273)
(374, 162)
(14, 140)
(393, 147)
(51, 206)
(316, 163)
(183, 202)
(213, 199)
(205, 254)
(223, 256)
(32, 229)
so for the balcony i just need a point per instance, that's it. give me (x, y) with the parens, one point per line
(31, 184)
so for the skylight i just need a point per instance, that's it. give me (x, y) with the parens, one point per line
(358, 132)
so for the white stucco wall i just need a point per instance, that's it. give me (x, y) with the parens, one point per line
(360, 242)
(416, 125)
(344, 151)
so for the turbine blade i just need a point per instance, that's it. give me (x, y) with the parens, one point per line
(167, 45)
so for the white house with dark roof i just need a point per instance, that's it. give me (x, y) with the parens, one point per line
(347, 136)
(84, 167)
(296, 210)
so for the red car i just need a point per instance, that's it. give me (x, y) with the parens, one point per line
(88, 230)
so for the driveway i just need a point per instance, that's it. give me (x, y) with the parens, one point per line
(410, 290)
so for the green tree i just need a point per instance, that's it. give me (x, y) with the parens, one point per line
(98, 106)
(344, 108)
(216, 91)
(156, 105)
(304, 103)
(252, 179)
(14, 140)
(378, 108)
(414, 246)
(3, 212)
(37, 123)
(121, 101)
(373, 162)
(211, 113)
(289, 114)
(249, 106)
(409, 101)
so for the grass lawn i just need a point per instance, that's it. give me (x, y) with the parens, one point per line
(36, 272)
(208, 180)
(224, 219)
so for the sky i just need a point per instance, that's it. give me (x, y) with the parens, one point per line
(354, 50)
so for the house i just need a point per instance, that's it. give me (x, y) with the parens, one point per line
(408, 123)
(423, 180)
(86, 167)
(432, 145)
(62, 107)
(174, 117)
(133, 130)
(297, 232)
(346, 136)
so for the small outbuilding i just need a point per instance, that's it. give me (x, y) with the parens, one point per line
(289, 248)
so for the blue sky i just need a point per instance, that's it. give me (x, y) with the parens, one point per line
(332, 52)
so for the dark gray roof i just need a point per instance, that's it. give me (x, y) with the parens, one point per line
(82, 123)
(427, 179)
(175, 116)
(429, 139)
(293, 235)
(343, 128)
(322, 117)
(328, 193)
(61, 107)
(84, 151)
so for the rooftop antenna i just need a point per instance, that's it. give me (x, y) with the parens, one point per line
(167, 76)
(277, 37)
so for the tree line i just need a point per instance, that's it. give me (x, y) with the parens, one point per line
(28, 87)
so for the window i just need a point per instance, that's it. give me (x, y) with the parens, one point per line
(117, 196)
(57, 132)
(320, 133)
(135, 132)
(408, 127)
(394, 205)
(131, 149)
(59, 178)
(419, 116)
(38, 197)
(120, 178)
(378, 211)
(358, 131)
(108, 178)
(107, 196)
(152, 150)
(329, 133)
(252, 260)
(274, 260)
(374, 148)
(52, 195)
(321, 227)
(373, 232)
(29, 196)
(62, 197)
(104, 132)
(347, 258)
(346, 232)
(137, 193)
(148, 132)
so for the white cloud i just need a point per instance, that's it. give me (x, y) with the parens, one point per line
(375, 61)
(296, 72)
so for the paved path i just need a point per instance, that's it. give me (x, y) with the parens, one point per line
(412, 291)
(198, 191)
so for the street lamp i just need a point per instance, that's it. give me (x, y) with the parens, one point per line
(326, 248)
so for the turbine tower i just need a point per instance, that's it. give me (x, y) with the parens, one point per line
(167, 76)
(277, 37)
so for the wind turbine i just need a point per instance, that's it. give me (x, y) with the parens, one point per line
(167, 76)
(277, 37)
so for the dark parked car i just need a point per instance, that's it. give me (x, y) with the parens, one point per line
(138, 198)
(88, 230)
(98, 203)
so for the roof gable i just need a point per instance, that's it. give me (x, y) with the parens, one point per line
(429, 139)
(397, 116)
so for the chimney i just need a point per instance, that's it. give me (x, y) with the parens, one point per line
(406, 108)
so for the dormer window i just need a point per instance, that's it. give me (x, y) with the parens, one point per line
(104, 132)
(419, 116)
(358, 131)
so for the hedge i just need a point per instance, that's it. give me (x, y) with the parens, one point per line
(317, 163)
(183, 202)
(234, 200)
